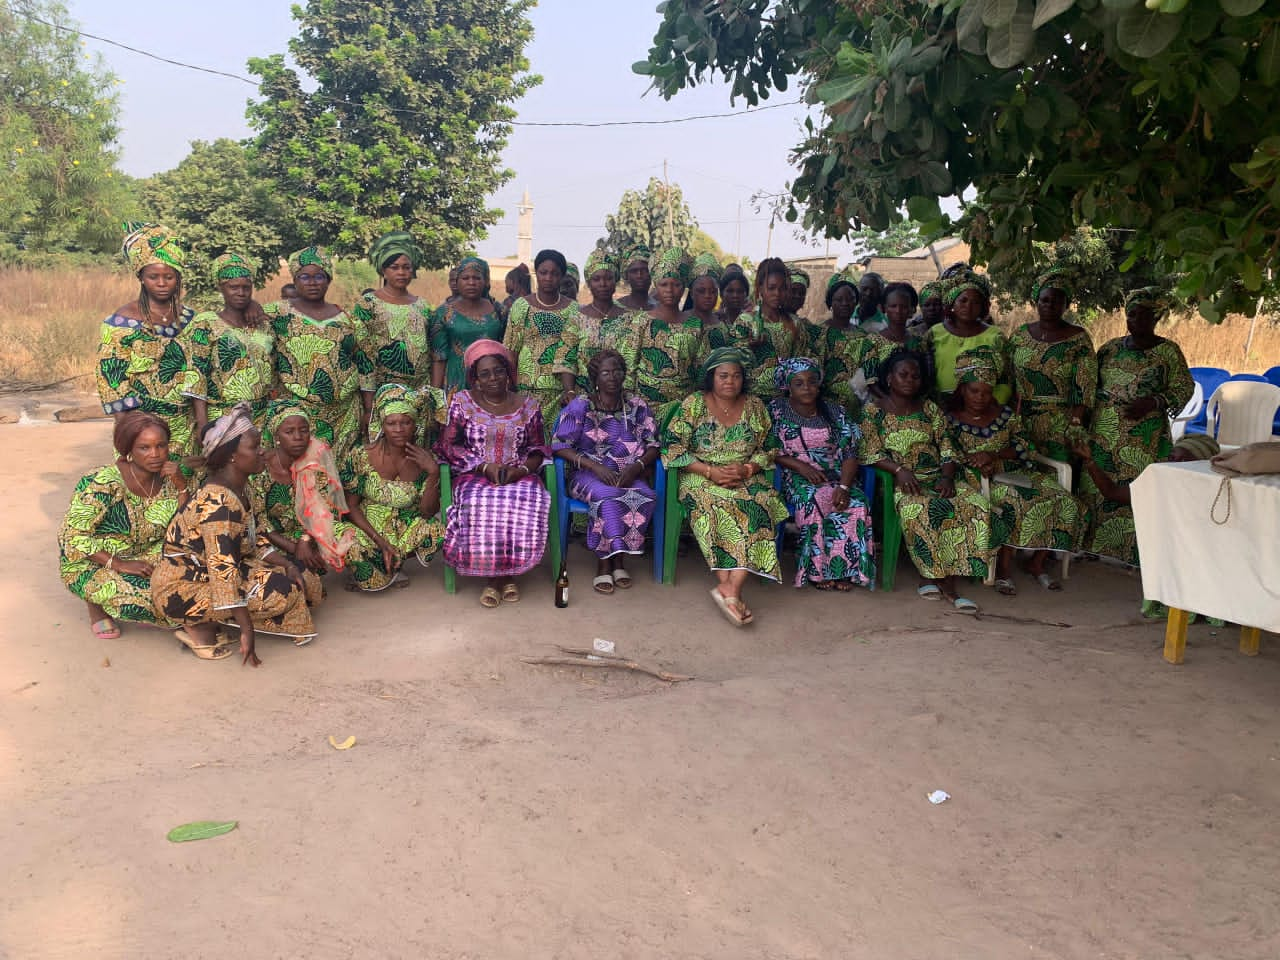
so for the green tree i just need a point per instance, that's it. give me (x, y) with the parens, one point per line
(59, 189)
(1161, 118)
(893, 241)
(215, 202)
(656, 216)
(407, 121)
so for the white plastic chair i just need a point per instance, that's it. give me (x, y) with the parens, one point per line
(1064, 472)
(1178, 424)
(1242, 411)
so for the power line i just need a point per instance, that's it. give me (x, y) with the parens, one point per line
(515, 123)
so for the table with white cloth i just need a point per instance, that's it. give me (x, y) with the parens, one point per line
(1216, 559)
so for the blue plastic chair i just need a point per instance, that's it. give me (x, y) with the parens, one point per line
(1273, 376)
(1209, 378)
(866, 477)
(566, 506)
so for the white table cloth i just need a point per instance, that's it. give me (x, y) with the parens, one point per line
(1230, 571)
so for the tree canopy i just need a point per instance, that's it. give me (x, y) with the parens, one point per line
(656, 216)
(1160, 118)
(58, 126)
(403, 123)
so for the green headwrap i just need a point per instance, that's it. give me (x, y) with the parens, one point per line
(672, 262)
(601, 259)
(722, 355)
(231, 266)
(706, 265)
(934, 288)
(969, 281)
(571, 270)
(282, 410)
(978, 365)
(391, 399)
(478, 265)
(148, 243)
(1055, 278)
(797, 275)
(638, 252)
(311, 257)
(1152, 297)
(397, 243)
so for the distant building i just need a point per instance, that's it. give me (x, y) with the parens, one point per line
(915, 267)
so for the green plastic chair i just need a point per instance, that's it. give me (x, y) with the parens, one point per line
(890, 530)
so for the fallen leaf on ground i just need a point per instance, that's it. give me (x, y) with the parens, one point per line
(346, 744)
(202, 830)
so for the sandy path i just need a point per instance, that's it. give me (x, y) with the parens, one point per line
(1104, 803)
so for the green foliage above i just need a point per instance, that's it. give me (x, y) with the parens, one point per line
(58, 124)
(403, 122)
(1159, 117)
(657, 217)
(216, 203)
(1091, 259)
(893, 241)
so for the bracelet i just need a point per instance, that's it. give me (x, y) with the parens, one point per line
(842, 486)
(111, 561)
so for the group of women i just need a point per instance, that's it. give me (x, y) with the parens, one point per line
(261, 448)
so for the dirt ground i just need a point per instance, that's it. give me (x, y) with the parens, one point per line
(1104, 804)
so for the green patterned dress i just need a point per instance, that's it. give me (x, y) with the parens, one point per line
(841, 351)
(391, 507)
(1036, 513)
(946, 536)
(452, 332)
(734, 526)
(534, 337)
(667, 365)
(1122, 447)
(1050, 379)
(235, 363)
(105, 515)
(777, 343)
(142, 366)
(587, 335)
(321, 364)
(396, 341)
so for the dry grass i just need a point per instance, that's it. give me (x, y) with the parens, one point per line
(49, 320)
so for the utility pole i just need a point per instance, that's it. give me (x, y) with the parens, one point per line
(671, 230)
(737, 237)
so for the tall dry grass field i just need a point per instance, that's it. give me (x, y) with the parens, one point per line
(49, 319)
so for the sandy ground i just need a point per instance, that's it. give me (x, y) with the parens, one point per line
(1104, 804)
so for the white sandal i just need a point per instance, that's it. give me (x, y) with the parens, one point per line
(601, 582)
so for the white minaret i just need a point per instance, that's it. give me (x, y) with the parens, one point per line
(524, 230)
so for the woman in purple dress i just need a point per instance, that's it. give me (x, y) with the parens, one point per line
(496, 526)
(610, 440)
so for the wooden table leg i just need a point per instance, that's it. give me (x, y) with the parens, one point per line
(1175, 635)
(1249, 641)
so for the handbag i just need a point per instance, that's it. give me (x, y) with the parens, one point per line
(1253, 459)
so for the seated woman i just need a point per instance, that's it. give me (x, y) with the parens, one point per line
(610, 439)
(818, 450)
(393, 490)
(214, 568)
(944, 516)
(299, 497)
(719, 441)
(496, 526)
(1029, 508)
(111, 536)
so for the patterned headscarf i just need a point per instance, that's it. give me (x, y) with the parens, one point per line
(969, 281)
(397, 243)
(282, 410)
(722, 355)
(391, 399)
(571, 270)
(841, 279)
(799, 276)
(1055, 278)
(476, 264)
(932, 289)
(231, 266)
(706, 265)
(149, 243)
(601, 259)
(788, 367)
(1152, 297)
(638, 252)
(234, 423)
(672, 262)
(311, 257)
(1199, 445)
(484, 347)
(978, 365)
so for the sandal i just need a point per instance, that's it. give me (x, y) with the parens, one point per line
(621, 578)
(929, 591)
(963, 605)
(511, 593)
(105, 629)
(489, 597)
(1048, 582)
(603, 584)
(1005, 587)
(823, 585)
(205, 651)
(731, 607)
(842, 586)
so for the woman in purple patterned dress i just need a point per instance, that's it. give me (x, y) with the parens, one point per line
(610, 440)
(496, 526)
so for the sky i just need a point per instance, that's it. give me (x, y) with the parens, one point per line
(575, 176)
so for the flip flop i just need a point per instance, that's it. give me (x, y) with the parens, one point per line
(1005, 587)
(842, 586)
(105, 629)
(603, 584)
(929, 591)
(964, 605)
(489, 597)
(823, 585)
(511, 593)
(729, 614)
(621, 578)
(205, 651)
(1048, 582)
